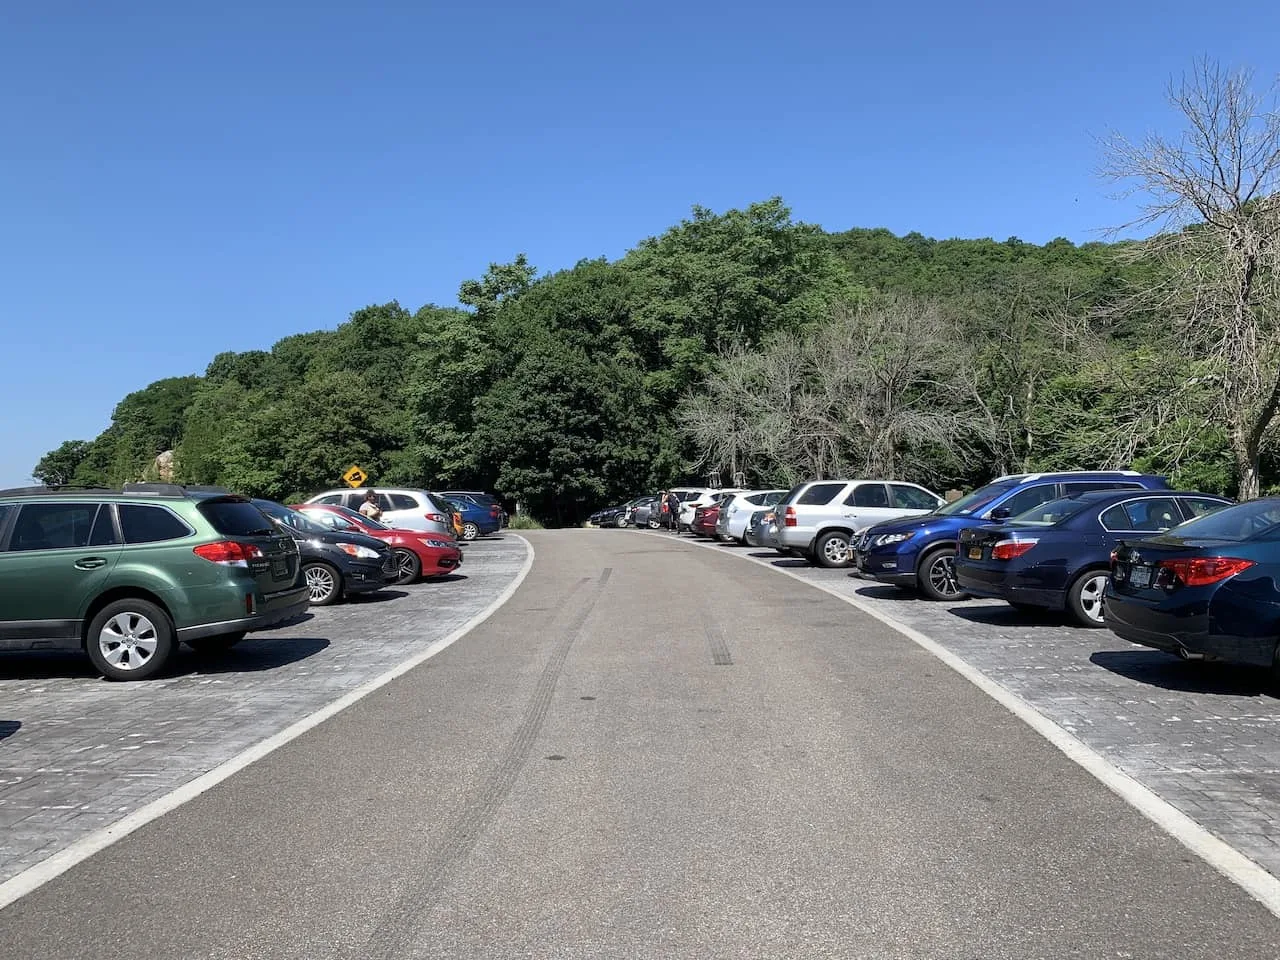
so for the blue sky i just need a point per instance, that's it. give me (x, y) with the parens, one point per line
(178, 179)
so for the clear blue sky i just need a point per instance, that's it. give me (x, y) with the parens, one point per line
(181, 179)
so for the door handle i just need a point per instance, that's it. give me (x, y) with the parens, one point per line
(91, 563)
(851, 516)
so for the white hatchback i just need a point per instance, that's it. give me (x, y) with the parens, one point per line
(402, 508)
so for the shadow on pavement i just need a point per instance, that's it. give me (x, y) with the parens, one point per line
(886, 591)
(1186, 676)
(9, 727)
(1003, 615)
(377, 596)
(445, 578)
(249, 656)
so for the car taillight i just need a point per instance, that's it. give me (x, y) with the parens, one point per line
(436, 517)
(789, 517)
(1200, 571)
(228, 551)
(1009, 549)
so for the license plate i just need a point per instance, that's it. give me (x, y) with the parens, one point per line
(975, 553)
(279, 569)
(1140, 576)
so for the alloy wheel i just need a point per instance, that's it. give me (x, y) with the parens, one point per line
(320, 584)
(1091, 597)
(128, 641)
(942, 576)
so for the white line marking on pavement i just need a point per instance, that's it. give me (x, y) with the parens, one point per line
(79, 851)
(1226, 859)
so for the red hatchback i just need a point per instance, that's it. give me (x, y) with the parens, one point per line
(417, 554)
(704, 521)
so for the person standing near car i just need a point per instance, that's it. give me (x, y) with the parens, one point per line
(370, 507)
(673, 511)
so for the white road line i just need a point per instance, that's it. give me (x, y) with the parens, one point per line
(1226, 859)
(80, 850)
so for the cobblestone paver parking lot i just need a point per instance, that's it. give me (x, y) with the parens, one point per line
(78, 753)
(1203, 736)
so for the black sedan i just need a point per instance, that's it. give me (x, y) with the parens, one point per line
(1057, 556)
(1207, 590)
(611, 516)
(335, 564)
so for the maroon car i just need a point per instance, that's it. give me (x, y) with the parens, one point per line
(704, 521)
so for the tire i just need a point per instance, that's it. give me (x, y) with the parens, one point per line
(655, 524)
(130, 639)
(408, 566)
(621, 522)
(216, 644)
(936, 575)
(832, 550)
(1084, 598)
(470, 531)
(324, 583)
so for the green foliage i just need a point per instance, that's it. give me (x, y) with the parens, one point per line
(524, 521)
(572, 389)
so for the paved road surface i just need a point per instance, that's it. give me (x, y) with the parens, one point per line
(655, 751)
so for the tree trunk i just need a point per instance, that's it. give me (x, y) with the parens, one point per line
(1247, 465)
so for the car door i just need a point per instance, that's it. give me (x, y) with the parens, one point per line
(868, 504)
(58, 556)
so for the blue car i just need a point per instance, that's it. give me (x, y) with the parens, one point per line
(1207, 590)
(1057, 556)
(918, 553)
(477, 520)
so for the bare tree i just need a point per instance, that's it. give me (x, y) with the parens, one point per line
(877, 390)
(1212, 193)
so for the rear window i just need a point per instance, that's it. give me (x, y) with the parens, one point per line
(235, 518)
(144, 524)
(1244, 521)
(687, 495)
(1054, 511)
(820, 494)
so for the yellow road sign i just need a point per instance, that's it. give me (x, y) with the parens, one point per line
(355, 476)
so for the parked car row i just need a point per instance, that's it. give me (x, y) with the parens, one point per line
(126, 575)
(1180, 571)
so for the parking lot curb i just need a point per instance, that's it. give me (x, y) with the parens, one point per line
(1250, 876)
(41, 873)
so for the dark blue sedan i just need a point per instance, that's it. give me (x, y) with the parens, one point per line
(477, 520)
(1207, 590)
(1057, 555)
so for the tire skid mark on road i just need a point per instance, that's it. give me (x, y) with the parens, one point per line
(720, 654)
(1247, 874)
(395, 933)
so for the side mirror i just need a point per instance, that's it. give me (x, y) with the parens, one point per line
(1001, 513)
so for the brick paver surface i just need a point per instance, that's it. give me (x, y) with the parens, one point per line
(78, 753)
(1203, 736)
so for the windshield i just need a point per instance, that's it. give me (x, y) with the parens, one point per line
(1244, 521)
(1055, 511)
(973, 502)
(358, 519)
(292, 518)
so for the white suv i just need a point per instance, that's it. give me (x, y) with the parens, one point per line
(404, 509)
(691, 498)
(818, 519)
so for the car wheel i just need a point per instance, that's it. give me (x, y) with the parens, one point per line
(216, 644)
(655, 524)
(621, 521)
(408, 566)
(1085, 597)
(470, 531)
(832, 549)
(324, 584)
(130, 640)
(937, 575)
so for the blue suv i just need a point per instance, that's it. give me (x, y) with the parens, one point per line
(918, 553)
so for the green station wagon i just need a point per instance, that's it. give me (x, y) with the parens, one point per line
(125, 575)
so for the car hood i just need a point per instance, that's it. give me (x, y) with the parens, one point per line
(927, 522)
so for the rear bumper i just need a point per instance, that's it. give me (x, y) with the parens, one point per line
(280, 610)
(1246, 636)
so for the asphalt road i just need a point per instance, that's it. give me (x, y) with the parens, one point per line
(654, 751)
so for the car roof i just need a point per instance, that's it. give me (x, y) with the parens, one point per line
(130, 491)
(1069, 475)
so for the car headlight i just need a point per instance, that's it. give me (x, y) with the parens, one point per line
(887, 538)
(355, 550)
(439, 544)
